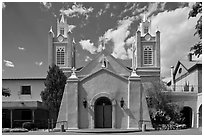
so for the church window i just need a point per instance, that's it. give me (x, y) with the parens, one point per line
(26, 90)
(62, 31)
(148, 55)
(180, 70)
(146, 29)
(60, 57)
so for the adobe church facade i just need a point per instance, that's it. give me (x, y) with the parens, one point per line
(105, 93)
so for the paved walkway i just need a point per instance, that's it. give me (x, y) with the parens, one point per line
(193, 131)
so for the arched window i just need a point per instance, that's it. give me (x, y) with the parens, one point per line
(146, 29)
(60, 55)
(148, 55)
(62, 31)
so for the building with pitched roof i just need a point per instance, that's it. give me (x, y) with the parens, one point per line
(105, 93)
(186, 89)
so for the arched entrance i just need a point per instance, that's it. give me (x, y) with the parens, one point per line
(187, 116)
(200, 116)
(103, 113)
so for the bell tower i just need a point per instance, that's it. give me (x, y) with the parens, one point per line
(60, 45)
(148, 50)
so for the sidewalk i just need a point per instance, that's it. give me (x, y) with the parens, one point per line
(192, 131)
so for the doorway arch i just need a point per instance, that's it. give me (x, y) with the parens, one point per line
(187, 116)
(200, 116)
(103, 113)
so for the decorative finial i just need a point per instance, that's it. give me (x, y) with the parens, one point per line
(69, 29)
(51, 31)
(62, 18)
(103, 62)
(73, 75)
(73, 41)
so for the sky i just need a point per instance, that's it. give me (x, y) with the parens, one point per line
(25, 27)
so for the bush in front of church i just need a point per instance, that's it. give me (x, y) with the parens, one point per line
(164, 113)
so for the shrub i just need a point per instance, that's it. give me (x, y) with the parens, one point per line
(18, 130)
(4, 130)
(28, 125)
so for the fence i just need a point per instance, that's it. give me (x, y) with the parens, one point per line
(186, 88)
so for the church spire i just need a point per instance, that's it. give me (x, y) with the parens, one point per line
(62, 18)
(145, 25)
(62, 26)
(51, 31)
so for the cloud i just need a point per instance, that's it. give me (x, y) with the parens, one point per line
(118, 37)
(103, 10)
(177, 35)
(134, 9)
(21, 48)
(130, 40)
(87, 45)
(71, 27)
(88, 59)
(47, 5)
(9, 64)
(100, 12)
(38, 63)
(154, 7)
(3, 5)
(77, 9)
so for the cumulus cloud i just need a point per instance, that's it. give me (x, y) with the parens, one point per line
(47, 5)
(3, 5)
(77, 9)
(100, 12)
(9, 63)
(118, 37)
(38, 63)
(21, 48)
(154, 7)
(133, 8)
(176, 35)
(104, 10)
(88, 45)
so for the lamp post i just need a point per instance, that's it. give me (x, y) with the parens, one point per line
(84, 103)
(122, 102)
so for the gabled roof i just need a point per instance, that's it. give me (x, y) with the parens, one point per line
(104, 70)
(188, 65)
(114, 65)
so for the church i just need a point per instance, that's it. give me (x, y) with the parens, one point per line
(105, 93)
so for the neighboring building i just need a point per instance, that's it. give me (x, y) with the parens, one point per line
(24, 104)
(186, 89)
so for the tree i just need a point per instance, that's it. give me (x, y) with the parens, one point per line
(162, 109)
(54, 89)
(6, 92)
(197, 10)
